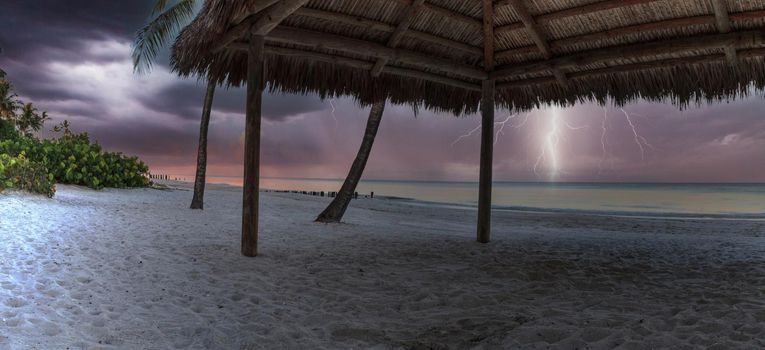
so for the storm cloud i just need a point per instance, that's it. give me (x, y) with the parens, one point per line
(72, 58)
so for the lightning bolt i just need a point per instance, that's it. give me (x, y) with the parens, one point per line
(571, 127)
(604, 130)
(501, 128)
(470, 133)
(551, 142)
(523, 123)
(639, 140)
(549, 156)
(504, 122)
(499, 132)
(332, 104)
(550, 146)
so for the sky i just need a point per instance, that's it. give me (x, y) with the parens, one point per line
(72, 59)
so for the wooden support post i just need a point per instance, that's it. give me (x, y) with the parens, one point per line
(487, 145)
(255, 85)
(483, 230)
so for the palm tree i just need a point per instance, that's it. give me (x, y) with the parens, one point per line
(197, 202)
(30, 120)
(166, 22)
(26, 117)
(8, 102)
(43, 118)
(335, 210)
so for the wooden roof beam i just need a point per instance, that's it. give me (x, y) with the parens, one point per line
(317, 40)
(275, 15)
(738, 40)
(592, 8)
(743, 16)
(571, 12)
(531, 26)
(354, 63)
(398, 34)
(629, 30)
(666, 63)
(385, 27)
(611, 33)
(252, 8)
(345, 19)
(473, 22)
(262, 22)
(539, 38)
(723, 26)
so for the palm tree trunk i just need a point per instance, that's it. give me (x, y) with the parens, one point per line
(334, 212)
(199, 181)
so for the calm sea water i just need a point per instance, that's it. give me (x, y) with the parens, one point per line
(736, 200)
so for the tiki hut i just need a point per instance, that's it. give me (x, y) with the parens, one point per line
(458, 55)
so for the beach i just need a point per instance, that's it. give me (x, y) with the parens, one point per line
(136, 269)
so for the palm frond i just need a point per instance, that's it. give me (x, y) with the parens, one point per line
(159, 7)
(150, 39)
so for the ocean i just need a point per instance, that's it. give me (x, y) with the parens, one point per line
(727, 200)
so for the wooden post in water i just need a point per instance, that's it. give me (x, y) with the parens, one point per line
(255, 85)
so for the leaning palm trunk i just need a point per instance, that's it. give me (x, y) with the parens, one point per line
(334, 212)
(199, 181)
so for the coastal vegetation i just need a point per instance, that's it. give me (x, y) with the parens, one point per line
(20, 173)
(34, 164)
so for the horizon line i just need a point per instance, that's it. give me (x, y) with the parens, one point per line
(499, 181)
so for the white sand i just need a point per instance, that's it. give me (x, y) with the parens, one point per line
(135, 269)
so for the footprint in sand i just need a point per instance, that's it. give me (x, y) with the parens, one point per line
(78, 295)
(53, 293)
(12, 322)
(15, 302)
(49, 328)
(84, 279)
(98, 322)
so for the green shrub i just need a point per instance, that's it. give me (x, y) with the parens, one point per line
(74, 159)
(20, 173)
(7, 131)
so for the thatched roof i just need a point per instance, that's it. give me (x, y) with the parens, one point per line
(431, 53)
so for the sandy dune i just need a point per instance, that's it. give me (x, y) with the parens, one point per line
(135, 269)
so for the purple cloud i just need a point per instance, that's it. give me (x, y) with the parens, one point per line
(78, 68)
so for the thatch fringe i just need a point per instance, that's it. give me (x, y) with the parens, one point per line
(682, 85)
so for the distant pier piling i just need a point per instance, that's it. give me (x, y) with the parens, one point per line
(328, 194)
(163, 177)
